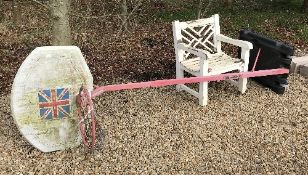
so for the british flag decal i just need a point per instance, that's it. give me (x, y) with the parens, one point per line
(54, 103)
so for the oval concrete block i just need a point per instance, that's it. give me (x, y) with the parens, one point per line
(44, 94)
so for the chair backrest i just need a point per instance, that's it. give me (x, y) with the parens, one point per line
(199, 33)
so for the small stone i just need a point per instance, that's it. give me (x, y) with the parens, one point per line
(297, 62)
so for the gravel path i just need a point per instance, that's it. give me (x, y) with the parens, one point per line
(161, 131)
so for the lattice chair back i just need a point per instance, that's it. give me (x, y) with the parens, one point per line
(199, 34)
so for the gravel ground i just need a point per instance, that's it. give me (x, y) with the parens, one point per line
(161, 131)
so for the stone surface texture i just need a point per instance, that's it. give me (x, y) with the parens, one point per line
(297, 63)
(49, 75)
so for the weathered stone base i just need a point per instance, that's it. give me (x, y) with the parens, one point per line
(299, 65)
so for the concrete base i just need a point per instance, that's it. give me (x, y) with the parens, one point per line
(303, 70)
(297, 63)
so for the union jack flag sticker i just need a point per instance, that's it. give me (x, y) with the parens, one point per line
(54, 103)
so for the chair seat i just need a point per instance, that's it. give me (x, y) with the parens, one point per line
(218, 63)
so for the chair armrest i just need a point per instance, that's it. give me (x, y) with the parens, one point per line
(198, 52)
(236, 42)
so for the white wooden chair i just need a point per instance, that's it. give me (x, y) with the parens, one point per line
(198, 51)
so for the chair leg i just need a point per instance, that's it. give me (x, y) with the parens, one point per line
(203, 93)
(179, 74)
(242, 85)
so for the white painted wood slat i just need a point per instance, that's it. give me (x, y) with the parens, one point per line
(216, 62)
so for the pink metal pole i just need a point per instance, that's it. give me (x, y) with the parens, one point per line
(255, 63)
(168, 82)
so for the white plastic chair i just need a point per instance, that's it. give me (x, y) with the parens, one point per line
(198, 51)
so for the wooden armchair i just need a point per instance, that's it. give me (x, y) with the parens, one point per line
(198, 51)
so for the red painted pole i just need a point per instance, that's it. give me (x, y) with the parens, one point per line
(159, 83)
